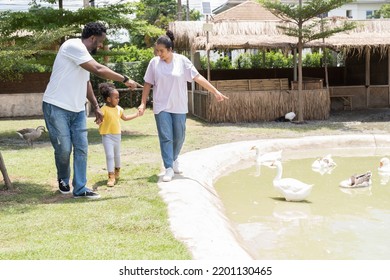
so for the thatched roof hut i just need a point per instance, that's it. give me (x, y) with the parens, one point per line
(234, 34)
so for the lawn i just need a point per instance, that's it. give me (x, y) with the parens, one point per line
(130, 221)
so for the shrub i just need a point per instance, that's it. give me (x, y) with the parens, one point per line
(257, 60)
(203, 63)
(243, 61)
(276, 59)
(223, 63)
(316, 59)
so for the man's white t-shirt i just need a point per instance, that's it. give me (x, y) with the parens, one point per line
(169, 82)
(67, 87)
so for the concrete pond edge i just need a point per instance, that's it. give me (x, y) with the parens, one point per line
(196, 214)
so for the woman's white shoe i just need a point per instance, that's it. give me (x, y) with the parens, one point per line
(169, 173)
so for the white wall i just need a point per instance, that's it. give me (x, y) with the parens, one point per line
(358, 10)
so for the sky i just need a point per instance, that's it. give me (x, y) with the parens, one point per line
(22, 5)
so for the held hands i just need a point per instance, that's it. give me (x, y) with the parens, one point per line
(133, 84)
(98, 116)
(141, 109)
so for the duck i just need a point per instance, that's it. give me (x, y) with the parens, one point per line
(357, 181)
(292, 189)
(267, 157)
(31, 134)
(286, 118)
(323, 164)
(384, 165)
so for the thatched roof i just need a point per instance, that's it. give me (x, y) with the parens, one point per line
(266, 34)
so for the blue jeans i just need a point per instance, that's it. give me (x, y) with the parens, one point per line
(68, 130)
(171, 134)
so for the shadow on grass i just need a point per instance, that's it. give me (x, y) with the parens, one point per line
(25, 196)
(151, 179)
(12, 141)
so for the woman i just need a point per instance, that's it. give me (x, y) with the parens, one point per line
(168, 73)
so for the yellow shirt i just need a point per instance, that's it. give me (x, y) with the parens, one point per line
(111, 120)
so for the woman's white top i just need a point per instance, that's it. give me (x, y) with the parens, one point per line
(67, 87)
(169, 82)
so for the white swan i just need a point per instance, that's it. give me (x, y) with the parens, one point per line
(384, 165)
(292, 189)
(325, 162)
(357, 181)
(267, 157)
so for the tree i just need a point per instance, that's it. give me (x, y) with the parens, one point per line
(7, 181)
(156, 12)
(160, 13)
(384, 11)
(28, 40)
(304, 21)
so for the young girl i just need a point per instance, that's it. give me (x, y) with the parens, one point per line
(110, 129)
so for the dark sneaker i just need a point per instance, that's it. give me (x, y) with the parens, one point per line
(64, 188)
(88, 194)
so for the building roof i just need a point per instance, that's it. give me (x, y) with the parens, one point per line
(227, 5)
(248, 10)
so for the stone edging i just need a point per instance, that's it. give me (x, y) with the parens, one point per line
(196, 214)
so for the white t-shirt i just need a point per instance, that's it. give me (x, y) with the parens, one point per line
(169, 82)
(67, 87)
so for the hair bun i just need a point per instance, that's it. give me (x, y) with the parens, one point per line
(170, 35)
(106, 86)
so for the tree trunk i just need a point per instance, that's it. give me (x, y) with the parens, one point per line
(326, 68)
(300, 78)
(7, 181)
(300, 81)
(179, 10)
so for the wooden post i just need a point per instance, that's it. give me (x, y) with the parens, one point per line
(368, 70)
(192, 84)
(208, 51)
(7, 181)
(388, 75)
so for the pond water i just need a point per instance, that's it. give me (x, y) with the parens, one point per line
(332, 223)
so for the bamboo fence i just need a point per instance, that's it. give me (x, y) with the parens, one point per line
(253, 106)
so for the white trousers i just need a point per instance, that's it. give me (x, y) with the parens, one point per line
(112, 148)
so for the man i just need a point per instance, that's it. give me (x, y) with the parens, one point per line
(64, 105)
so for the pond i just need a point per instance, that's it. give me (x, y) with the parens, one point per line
(331, 223)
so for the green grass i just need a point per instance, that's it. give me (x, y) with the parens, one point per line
(130, 221)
